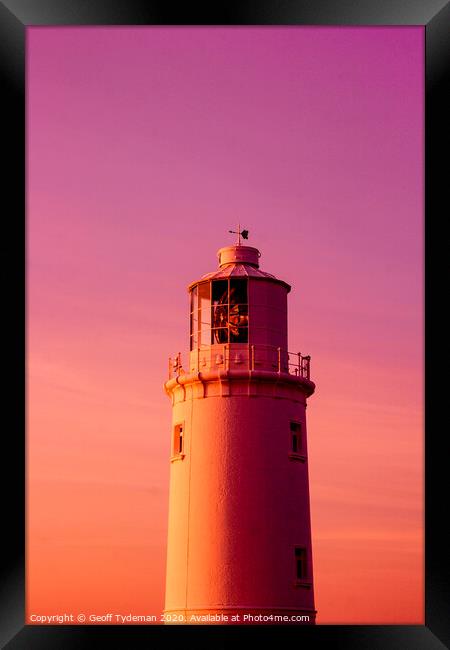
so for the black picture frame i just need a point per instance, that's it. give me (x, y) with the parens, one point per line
(15, 17)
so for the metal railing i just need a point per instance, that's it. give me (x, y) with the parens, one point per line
(245, 356)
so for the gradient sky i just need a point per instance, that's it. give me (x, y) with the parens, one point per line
(144, 146)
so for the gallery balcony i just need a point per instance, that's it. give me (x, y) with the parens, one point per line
(242, 356)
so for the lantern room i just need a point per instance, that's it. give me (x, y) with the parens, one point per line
(238, 310)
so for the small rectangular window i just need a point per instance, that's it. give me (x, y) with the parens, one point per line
(300, 562)
(296, 437)
(178, 439)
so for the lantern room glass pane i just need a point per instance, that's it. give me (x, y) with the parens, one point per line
(219, 335)
(238, 334)
(220, 292)
(205, 336)
(220, 316)
(193, 330)
(204, 297)
(238, 292)
(219, 311)
(237, 320)
(238, 311)
(194, 299)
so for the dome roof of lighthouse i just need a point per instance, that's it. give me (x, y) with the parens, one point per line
(237, 270)
(239, 262)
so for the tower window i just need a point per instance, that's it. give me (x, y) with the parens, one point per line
(300, 563)
(178, 442)
(296, 437)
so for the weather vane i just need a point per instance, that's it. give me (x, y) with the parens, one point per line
(240, 233)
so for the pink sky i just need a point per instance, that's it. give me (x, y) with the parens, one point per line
(145, 145)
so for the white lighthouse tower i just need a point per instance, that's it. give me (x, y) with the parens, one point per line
(239, 538)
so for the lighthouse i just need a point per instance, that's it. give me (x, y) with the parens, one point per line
(239, 536)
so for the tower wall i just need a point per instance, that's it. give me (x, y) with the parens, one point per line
(239, 500)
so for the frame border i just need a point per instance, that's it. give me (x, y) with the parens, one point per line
(15, 17)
